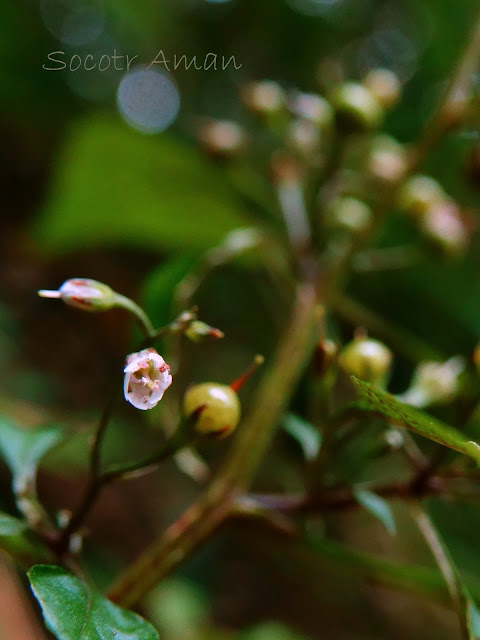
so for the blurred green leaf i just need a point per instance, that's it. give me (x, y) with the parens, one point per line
(24, 448)
(114, 186)
(378, 507)
(309, 438)
(19, 542)
(379, 401)
(159, 288)
(271, 631)
(72, 612)
(178, 607)
(10, 526)
(385, 571)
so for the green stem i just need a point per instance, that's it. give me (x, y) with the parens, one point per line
(98, 481)
(445, 564)
(138, 312)
(216, 503)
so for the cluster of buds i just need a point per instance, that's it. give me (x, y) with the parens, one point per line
(438, 217)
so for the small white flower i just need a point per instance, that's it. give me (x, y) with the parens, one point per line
(147, 377)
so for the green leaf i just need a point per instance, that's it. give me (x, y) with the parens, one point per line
(115, 187)
(73, 612)
(304, 433)
(20, 543)
(379, 401)
(378, 507)
(23, 449)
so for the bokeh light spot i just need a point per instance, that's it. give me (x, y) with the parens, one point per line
(148, 100)
(74, 22)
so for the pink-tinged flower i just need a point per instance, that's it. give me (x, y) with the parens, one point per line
(147, 377)
(83, 293)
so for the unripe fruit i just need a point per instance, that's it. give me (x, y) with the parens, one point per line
(367, 359)
(420, 193)
(356, 108)
(221, 408)
(384, 85)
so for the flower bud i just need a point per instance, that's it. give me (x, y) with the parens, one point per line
(384, 85)
(356, 108)
(222, 138)
(349, 214)
(264, 97)
(313, 108)
(147, 377)
(420, 193)
(221, 408)
(303, 136)
(434, 383)
(387, 161)
(83, 293)
(367, 359)
(444, 226)
(324, 356)
(198, 331)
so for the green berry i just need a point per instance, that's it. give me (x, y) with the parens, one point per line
(221, 413)
(367, 359)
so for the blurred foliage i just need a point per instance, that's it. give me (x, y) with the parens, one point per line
(85, 194)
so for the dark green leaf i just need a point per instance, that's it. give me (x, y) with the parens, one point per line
(116, 187)
(378, 507)
(379, 401)
(73, 612)
(304, 433)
